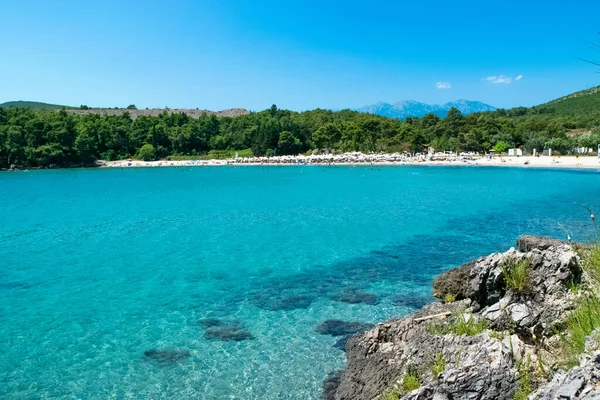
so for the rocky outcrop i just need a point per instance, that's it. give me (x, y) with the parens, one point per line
(472, 348)
(527, 243)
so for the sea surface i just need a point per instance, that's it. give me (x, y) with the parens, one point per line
(210, 283)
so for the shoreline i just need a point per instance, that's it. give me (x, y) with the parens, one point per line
(569, 162)
(560, 162)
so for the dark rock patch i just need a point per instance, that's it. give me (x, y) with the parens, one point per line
(330, 384)
(166, 357)
(527, 243)
(410, 300)
(454, 281)
(15, 285)
(336, 327)
(354, 296)
(341, 343)
(281, 303)
(226, 331)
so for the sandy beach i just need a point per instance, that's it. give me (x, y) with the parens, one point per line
(588, 162)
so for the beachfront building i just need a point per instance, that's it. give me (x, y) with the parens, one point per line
(515, 152)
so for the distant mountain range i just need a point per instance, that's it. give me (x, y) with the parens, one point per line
(409, 108)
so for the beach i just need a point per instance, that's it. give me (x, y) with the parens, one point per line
(591, 162)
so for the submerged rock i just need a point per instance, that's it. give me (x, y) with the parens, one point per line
(330, 385)
(166, 357)
(407, 300)
(341, 343)
(336, 327)
(226, 331)
(354, 296)
(281, 303)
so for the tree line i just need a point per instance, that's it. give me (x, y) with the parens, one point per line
(45, 138)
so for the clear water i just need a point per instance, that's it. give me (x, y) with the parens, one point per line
(100, 266)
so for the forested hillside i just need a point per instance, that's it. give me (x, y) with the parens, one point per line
(44, 138)
(32, 104)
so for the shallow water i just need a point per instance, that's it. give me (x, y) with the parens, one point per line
(100, 267)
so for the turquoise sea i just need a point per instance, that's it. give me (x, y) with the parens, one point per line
(209, 283)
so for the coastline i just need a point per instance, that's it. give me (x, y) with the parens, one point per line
(571, 162)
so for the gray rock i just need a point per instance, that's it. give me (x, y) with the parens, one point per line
(474, 364)
(581, 382)
(527, 243)
(483, 366)
(453, 282)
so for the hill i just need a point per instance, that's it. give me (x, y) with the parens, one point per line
(578, 103)
(409, 108)
(153, 112)
(32, 104)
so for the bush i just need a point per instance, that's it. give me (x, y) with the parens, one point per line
(146, 153)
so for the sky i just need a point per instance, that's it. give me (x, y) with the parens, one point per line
(298, 55)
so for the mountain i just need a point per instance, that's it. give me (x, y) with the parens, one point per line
(409, 108)
(32, 104)
(581, 102)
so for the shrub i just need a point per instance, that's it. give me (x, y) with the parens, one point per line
(516, 273)
(146, 153)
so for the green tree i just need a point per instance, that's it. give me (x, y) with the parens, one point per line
(501, 147)
(146, 153)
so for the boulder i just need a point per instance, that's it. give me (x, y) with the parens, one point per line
(378, 359)
(454, 282)
(527, 243)
(482, 366)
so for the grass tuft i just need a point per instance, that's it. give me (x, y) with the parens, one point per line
(460, 325)
(591, 263)
(449, 298)
(438, 365)
(411, 381)
(391, 393)
(516, 273)
(525, 385)
(584, 319)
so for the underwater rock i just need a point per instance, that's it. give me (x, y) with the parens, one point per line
(341, 343)
(226, 331)
(166, 357)
(407, 300)
(354, 296)
(336, 327)
(330, 385)
(281, 303)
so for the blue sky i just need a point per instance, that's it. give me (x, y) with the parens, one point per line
(297, 54)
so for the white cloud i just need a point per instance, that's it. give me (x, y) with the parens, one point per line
(502, 79)
(443, 85)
